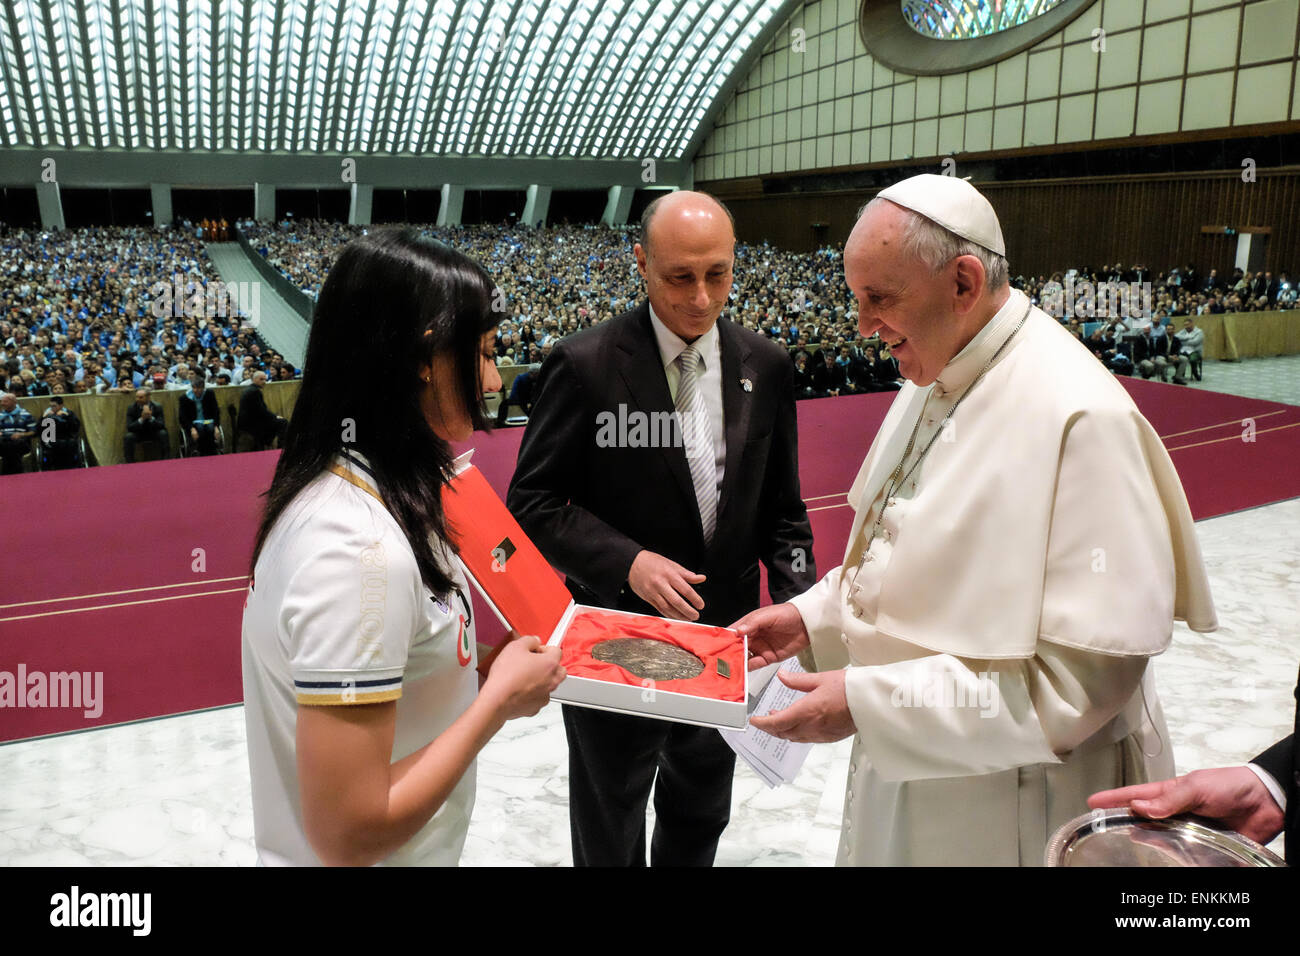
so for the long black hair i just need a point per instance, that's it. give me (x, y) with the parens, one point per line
(361, 383)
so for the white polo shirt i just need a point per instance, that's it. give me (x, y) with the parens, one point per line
(336, 615)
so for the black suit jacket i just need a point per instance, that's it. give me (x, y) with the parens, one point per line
(1282, 761)
(254, 417)
(189, 414)
(591, 509)
(133, 415)
(1158, 346)
(825, 379)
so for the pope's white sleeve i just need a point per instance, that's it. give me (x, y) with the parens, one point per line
(943, 716)
(819, 607)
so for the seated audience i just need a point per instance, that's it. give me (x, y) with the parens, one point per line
(17, 429)
(144, 422)
(199, 415)
(63, 450)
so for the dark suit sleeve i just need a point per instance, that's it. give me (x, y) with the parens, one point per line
(188, 412)
(133, 417)
(1278, 760)
(786, 545)
(550, 468)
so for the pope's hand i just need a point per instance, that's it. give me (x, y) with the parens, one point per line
(775, 632)
(1232, 795)
(820, 717)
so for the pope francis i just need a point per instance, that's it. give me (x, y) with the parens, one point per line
(1020, 547)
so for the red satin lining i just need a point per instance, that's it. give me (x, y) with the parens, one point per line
(590, 626)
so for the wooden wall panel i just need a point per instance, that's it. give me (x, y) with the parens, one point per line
(1054, 224)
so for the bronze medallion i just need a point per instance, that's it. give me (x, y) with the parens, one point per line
(649, 659)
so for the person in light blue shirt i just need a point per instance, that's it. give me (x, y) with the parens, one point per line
(17, 427)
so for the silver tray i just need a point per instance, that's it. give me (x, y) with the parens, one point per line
(1119, 838)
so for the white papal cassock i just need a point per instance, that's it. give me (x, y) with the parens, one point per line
(998, 630)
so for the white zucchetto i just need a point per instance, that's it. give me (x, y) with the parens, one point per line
(952, 203)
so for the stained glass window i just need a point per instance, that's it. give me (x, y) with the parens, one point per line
(966, 19)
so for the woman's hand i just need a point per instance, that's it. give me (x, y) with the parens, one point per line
(522, 678)
(359, 806)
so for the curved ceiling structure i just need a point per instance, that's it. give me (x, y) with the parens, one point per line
(590, 79)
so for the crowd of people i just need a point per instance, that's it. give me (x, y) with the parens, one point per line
(561, 279)
(118, 309)
(110, 308)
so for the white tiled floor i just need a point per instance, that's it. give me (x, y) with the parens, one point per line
(1271, 379)
(175, 791)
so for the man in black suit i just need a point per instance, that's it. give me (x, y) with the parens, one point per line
(199, 414)
(1244, 799)
(677, 531)
(144, 422)
(255, 418)
(62, 450)
(1159, 347)
(830, 378)
(873, 374)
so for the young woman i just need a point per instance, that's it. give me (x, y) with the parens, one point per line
(362, 702)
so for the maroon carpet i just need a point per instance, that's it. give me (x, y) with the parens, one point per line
(139, 571)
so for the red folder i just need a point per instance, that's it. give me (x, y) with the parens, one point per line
(524, 591)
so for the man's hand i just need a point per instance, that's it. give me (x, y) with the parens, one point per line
(775, 633)
(1232, 795)
(666, 586)
(819, 718)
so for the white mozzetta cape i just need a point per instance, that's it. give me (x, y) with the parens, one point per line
(1048, 544)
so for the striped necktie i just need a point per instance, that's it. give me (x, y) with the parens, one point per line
(697, 436)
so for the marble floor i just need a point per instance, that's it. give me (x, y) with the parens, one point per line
(1275, 379)
(174, 791)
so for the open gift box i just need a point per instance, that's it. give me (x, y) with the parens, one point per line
(616, 660)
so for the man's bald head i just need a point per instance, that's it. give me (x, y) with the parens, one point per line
(684, 204)
(688, 277)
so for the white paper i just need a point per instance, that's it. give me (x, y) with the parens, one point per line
(775, 760)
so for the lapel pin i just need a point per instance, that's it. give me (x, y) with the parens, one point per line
(746, 384)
